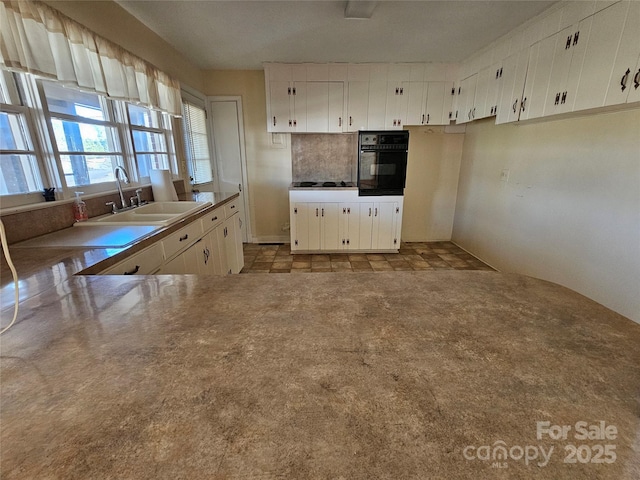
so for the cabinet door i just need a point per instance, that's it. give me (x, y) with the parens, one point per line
(481, 101)
(512, 100)
(350, 226)
(416, 94)
(365, 226)
(438, 104)
(336, 107)
(396, 106)
(358, 106)
(233, 244)
(625, 78)
(299, 107)
(193, 258)
(538, 72)
(218, 256)
(175, 266)
(280, 95)
(466, 99)
(307, 226)
(377, 105)
(330, 219)
(384, 226)
(318, 107)
(493, 89)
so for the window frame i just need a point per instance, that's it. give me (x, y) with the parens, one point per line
(28, 97)
(165, 129)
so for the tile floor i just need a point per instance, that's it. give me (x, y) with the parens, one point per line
(412, 256)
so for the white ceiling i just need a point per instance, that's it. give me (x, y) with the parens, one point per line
(240, 34)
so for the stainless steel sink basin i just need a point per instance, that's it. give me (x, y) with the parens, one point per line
(157, 213)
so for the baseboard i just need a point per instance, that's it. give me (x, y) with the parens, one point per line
(473, 255)
(271, 239)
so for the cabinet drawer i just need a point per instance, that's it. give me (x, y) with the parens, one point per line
(231, 208)
(181, 239)
(143, 263)
(213, 219)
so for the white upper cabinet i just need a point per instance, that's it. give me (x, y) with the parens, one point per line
(325, 103)
(287, 107)
(600, 57)
(538, 73)
(466, 99)
(438, 108)
(567, 60)
(512, 100)
(357, 105)
(416, 94)
(624, 84)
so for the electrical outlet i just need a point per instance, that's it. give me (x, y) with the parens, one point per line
(504, 176)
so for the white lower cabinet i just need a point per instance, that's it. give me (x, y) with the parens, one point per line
(211, 245)
(146, 262)
(350, 222)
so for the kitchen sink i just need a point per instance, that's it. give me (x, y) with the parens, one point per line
(157, 213)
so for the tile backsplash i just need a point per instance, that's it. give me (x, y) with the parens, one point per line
(324, 157)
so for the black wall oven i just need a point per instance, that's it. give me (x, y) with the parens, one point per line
(382, 162)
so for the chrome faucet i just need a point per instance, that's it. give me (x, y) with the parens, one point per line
(120, 170)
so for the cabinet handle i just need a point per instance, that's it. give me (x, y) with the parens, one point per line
(568, 44)
(557, 99)
(397, 209)
(473, 113)
(214, 219)
(369, 211)
(339, 121)
(575, 38)
(274, 121)
(343, 241)
(348, 210)
(225, 231)
(232, 207)
(624, 79)
(423, 118)
(290, 123)
(347, 241)
(295, 123)
(289, 91)
(316, 212)
(636, 80)
(397, 91)
(375, 212)
(428, 116)
(294, 90)
(132, 272)
(350, 121)
(564, 98)
(522, 105)
(401, 93)
(295, 210)
(498, 73)
(323, 212)
(184, 237)
(344, 211)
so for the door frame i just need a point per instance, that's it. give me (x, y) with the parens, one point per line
(243, 156)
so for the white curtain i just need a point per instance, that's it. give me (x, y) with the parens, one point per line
(37, 39)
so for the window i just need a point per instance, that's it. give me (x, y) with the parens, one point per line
(196, 143)
(152, 140)
(19, 169)
(84, 134)
(57, 136)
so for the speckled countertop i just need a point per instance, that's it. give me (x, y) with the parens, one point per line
(387, 375)
(40, 269)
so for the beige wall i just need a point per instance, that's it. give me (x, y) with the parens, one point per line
(111, 21)
(432, 183)
(268, 166)
(570, 211)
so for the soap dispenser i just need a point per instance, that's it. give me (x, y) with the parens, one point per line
(80, 209)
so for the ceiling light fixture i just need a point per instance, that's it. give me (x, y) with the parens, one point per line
(359, 9)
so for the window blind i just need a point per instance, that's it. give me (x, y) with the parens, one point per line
(196, 143)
